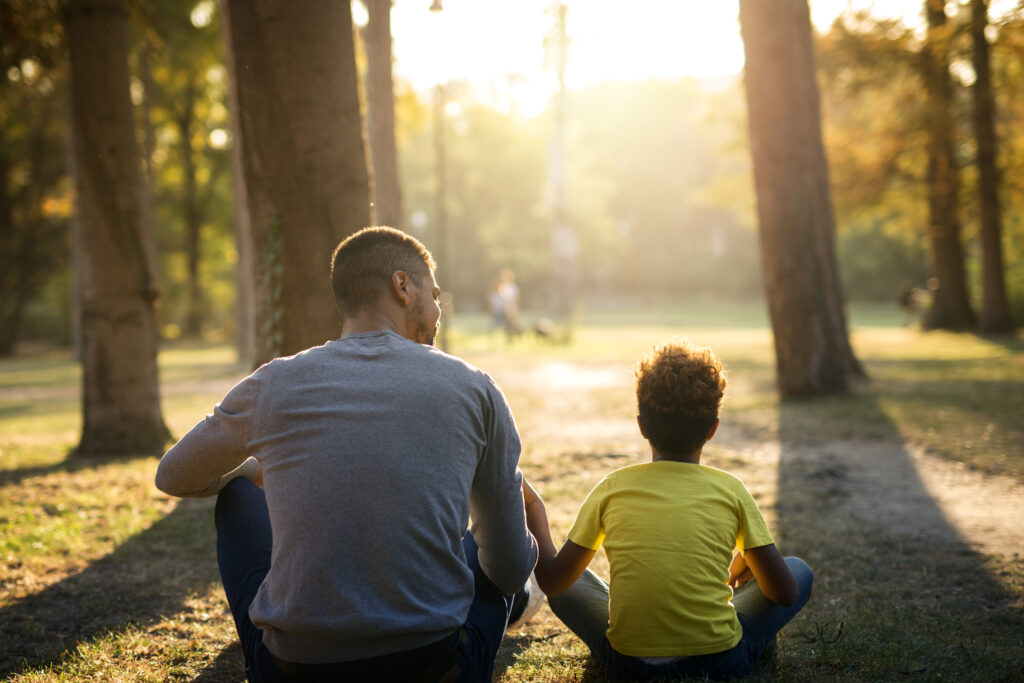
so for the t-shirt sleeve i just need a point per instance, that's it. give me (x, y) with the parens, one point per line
(753, 532)
(588, 530)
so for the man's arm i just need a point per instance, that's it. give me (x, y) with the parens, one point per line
(213, 452)
(556, 571)
(508, 551)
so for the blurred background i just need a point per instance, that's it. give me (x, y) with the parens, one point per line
(604, 140)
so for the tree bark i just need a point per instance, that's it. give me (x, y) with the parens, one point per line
(950, 308)
(380, 97)
(245, 267)
(995, 308)
(805, 301)
(120, 389)
(304, 160)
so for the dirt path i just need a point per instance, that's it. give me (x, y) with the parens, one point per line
(588, 408)
(896, 486)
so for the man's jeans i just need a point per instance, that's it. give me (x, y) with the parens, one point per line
(243, 553)
(584, 609)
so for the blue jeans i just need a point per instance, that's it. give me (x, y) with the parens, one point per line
(584, 609)
(243, 554)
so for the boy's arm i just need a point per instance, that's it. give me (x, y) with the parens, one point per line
(556, 571)
(773, 576)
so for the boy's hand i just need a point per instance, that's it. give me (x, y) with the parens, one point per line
(739, 572)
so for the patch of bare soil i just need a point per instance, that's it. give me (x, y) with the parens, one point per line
(912, 493)
(884, 482)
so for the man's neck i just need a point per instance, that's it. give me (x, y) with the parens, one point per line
(370, 321)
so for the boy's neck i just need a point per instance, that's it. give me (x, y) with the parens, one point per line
(694, 457)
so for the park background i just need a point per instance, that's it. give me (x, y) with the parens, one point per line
(609, 163)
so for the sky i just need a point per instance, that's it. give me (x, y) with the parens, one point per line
(498, 45)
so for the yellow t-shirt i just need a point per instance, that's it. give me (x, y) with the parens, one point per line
(669, 529)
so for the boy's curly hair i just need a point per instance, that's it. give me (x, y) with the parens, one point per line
(679, 389)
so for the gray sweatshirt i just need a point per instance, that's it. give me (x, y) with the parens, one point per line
(376, 451)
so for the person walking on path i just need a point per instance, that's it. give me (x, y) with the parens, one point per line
(346, 476)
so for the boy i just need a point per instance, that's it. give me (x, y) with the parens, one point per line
(669, 528)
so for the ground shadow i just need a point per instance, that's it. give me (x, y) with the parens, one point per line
(70, 464)
(150, 575)
(229, 666)
(912, 596)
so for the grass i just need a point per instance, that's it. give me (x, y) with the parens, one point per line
(104, 578)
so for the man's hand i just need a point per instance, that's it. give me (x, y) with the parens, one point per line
(529, 495)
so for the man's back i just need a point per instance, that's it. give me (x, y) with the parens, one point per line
(375, 450)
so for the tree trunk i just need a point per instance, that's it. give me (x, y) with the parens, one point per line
(805, 302)
(193, 216)
(387, 193)
(995, 309)
(120, 389)
(245, 268)
(304, 160)
(950, 308)
(12, 284)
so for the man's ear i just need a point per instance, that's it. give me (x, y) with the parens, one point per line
(400, 286)
(714, 428)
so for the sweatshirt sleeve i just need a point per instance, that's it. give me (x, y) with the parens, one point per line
(211, 451)
(508, 552)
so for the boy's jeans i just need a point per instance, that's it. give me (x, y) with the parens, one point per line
(243, 553)
(584, 609)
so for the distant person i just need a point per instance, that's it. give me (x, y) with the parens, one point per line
(912, 300)
(496, 303)
(679, 603)
(508, 292)
(346, 476)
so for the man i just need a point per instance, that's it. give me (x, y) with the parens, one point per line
(373, 451)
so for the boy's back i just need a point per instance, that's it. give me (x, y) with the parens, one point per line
(669, 529)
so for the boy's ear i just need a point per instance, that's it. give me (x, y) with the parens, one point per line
(640, 424)
(714, 428)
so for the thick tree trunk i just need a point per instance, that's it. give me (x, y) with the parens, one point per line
(380, 97)
(304, 160)
(950, 308)
(794, 207)
(995, 309)
(245, 268)
(120, 390)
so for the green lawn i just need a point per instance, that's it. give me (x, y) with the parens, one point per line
(104, 578)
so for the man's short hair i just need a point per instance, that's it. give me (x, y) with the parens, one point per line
(679, 389)
(364, 262)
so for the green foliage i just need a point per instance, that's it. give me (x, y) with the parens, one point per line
(876, 264)
(643, 160)
(35, 196)
(875, 132)
(182, 105)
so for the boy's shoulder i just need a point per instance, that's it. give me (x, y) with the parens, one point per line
(664, 471)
